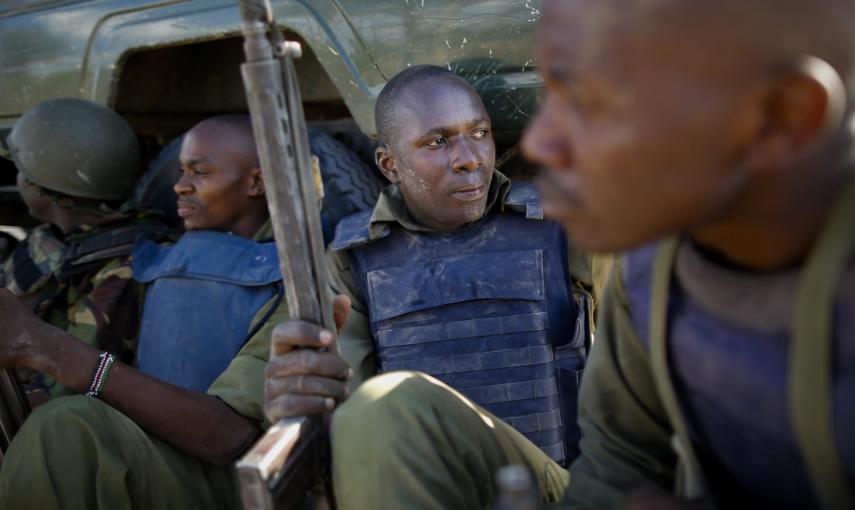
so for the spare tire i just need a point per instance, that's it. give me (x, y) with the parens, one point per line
(350, 185)
(156, 187)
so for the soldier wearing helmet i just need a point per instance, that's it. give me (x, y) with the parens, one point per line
(77, 163)
(162, 431)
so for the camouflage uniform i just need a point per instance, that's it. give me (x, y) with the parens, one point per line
(82, 284)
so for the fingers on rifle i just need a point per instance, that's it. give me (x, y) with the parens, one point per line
(341, 309)
(308, 362)
(307, 385)
(290, 404)
(292, 334)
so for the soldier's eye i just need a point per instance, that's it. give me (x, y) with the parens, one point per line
(436, 142)
(480, 133)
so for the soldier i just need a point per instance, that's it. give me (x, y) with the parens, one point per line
(723, 367)
(73, 271)
(453, 273)
(161, 435)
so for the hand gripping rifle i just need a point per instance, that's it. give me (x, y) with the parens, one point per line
(279, 469)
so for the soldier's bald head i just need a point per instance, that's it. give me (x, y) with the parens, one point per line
(231, 133)
(714, 36)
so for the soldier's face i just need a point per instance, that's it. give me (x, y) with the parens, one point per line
(215, 191)
(635, 143)
(444, 158)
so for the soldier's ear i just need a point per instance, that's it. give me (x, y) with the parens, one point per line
(801, 107)
(256, 184)
(386, 163)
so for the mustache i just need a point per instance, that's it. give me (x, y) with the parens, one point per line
(185, 201)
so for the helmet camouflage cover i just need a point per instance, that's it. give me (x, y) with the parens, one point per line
(76, 147)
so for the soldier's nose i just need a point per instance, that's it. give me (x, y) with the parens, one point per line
(183, 186)
(465, 158)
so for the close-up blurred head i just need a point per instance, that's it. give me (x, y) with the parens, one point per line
(664, 116)
(436, 145)
(221, 187)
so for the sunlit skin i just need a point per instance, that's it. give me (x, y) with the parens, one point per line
(221, 187)
(444, 155)
(644, 134)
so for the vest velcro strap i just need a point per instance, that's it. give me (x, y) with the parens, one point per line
(524, 323)
(477, 361)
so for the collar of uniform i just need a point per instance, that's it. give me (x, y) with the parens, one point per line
(264, 233)
(391, 208)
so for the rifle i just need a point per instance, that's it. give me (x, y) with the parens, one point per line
(14, 408)
(289, 453)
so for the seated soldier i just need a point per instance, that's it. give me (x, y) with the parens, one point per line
(724, 365)
(74, 271)
(163, 440)
(454, 273)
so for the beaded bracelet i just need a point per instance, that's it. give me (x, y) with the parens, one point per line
(99, 378)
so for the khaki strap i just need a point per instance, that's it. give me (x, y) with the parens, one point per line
(811, 354)
(690, 481)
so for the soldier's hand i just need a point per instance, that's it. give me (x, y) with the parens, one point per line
(21, 328)
(304, 381)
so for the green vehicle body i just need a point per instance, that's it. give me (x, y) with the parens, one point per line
(164, 65)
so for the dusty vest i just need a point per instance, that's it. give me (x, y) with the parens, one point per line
(486, 309)
(203, 294)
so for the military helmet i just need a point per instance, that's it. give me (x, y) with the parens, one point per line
(76, 147)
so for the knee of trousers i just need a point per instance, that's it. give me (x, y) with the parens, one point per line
(63, 420)
(384, 400)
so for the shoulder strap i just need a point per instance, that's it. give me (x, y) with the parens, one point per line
(811, 355)
(111, 243)
(690, 481)
(523, 197)
(355, 230)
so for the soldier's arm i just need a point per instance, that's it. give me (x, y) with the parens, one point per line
(626, 437)
(354, 338)
(202, 425)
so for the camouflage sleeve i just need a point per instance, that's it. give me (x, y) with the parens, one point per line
(626, 439)
(241, 385)
(107, 317)
(355, 341)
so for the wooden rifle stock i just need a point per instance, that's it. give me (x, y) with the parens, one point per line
(278, 470)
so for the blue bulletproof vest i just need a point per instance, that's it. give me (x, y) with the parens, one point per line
(486, 309)
(732, 388)
(202, 296)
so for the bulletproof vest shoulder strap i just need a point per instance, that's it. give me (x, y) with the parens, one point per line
(355, 230)
(689, 475)
(523, 197)
(811, 355)
(116, 242)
